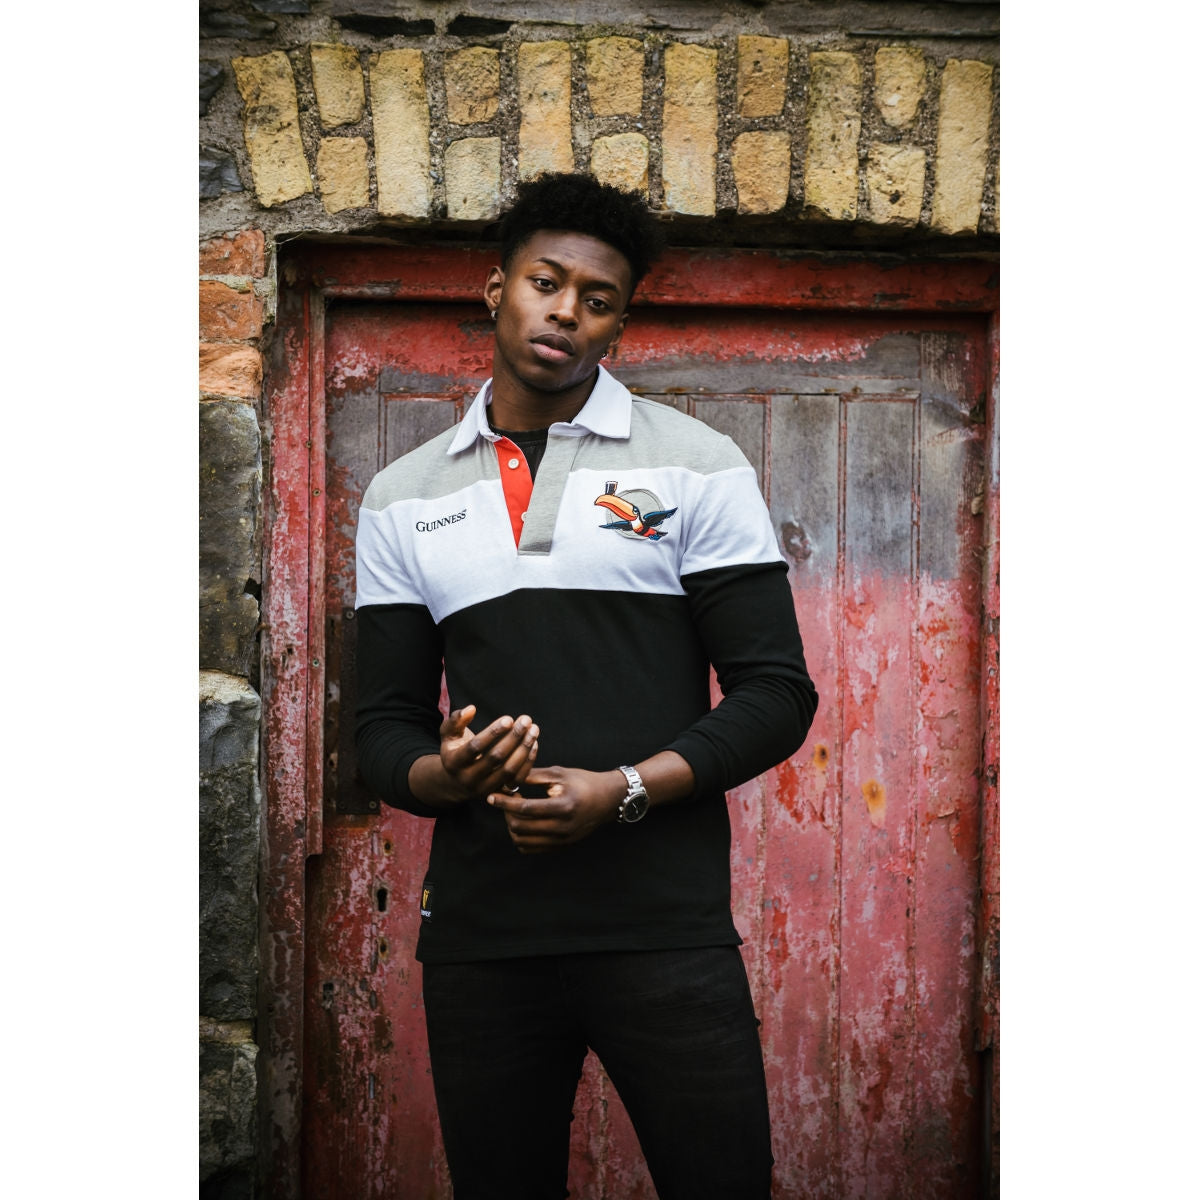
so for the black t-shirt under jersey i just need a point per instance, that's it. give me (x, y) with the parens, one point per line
(531, 443)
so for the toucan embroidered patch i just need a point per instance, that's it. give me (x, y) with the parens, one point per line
(639, 512)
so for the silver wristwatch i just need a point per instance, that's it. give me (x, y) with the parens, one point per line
(636, 803)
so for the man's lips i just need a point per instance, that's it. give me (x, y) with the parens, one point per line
(552, 347)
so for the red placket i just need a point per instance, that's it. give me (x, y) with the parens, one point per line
(516, 481)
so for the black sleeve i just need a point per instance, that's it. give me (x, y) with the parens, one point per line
(399, 656)
(746, 620)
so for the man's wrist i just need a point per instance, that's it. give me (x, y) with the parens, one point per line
(635, 802)
(620, 787)
(432, 784)
(666, 776)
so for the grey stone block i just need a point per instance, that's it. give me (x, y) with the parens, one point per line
(230, 547)
(228, 1092)
(218, 23)
(218, 173)
(228, 724)
(212, 75)
(230, 805)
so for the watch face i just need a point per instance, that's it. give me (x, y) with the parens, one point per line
(634, 808)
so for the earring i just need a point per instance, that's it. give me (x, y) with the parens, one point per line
(493, 314)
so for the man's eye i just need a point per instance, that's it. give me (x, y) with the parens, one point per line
(598, 304)
(541, 282)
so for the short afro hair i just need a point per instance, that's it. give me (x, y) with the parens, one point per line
(582, 204)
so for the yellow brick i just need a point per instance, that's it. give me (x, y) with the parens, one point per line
(472, 85)
(614, 75)
(762, 163)
(342, 173)
(834, 121)
(689, 131)
(272, 128)
(338, 83)
(962, 146)
(622, 160)
(899, 84)
(762, 75)
(401, 117)
(544, 89)
(895, 184)
(473, 179)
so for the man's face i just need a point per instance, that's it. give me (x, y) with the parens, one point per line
(561, 305)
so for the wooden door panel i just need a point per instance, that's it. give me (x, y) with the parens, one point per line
(410, 421)
(946, 744)
(854, 864)
(799, 978)
(875, 702)
(742, 418)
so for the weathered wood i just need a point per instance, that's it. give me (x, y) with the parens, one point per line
(799, 979)
(688, 278)
(410, 421)
(755, 352)
(741, 418)
(285, 675)
(946, 1079)
(879, 518)
(854, 877)
(987, 1008)
(875, 1044)
(804, 485)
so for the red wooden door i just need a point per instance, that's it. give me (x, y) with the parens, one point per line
(856, 865)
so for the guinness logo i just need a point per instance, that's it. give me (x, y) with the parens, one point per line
(440, 522)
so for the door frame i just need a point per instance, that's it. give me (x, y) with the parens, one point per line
(293, 636)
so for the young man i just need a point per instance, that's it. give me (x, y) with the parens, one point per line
(576, 557)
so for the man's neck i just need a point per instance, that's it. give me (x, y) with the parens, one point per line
(517, 407)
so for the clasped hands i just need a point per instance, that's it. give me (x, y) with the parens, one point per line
(496, 763)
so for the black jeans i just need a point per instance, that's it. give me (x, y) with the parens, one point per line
(675, 1030)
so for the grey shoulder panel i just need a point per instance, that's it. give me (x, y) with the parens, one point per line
(661, 436)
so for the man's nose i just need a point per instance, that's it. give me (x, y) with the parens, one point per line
(565, 308)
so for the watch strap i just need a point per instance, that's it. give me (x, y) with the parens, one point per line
(635, 803)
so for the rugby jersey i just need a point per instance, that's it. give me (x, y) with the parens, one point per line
(593, 599)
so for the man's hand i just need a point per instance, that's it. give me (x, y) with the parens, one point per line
(579, 802)
(470, 765)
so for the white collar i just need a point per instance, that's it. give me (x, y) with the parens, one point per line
(607, 412)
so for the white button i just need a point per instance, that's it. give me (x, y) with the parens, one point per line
(524, 515)
(514, 463)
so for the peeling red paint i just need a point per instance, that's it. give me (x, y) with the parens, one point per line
(787, 779)
(777, 941)
(987, 1012)
(766, 279)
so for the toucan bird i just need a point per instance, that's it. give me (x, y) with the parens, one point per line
(632, 519)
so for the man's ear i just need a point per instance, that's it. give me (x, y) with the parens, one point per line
(493, 289)
(615, 341)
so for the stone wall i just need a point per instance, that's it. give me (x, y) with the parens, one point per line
(232, 274)
(330, 122)
(851, 126)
